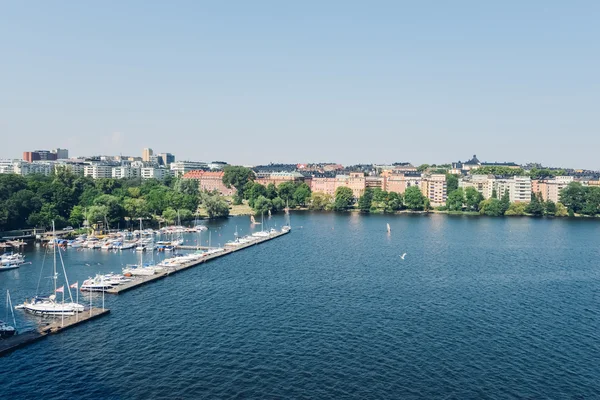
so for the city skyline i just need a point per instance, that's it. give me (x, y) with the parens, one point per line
(313, 82)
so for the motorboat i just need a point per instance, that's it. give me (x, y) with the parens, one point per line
(116, 279)
(96, 284)
(9, 267)
(49, 306)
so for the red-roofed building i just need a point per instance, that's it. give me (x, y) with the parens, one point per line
(210, 180)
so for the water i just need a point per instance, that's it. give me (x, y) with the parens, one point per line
(479, 308)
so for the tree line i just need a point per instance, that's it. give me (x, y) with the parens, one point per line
(68, 199)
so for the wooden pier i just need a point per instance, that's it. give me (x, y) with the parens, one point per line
(142, 280)
(56, 325)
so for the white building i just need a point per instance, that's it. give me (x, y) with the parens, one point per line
(126, 172)
(154, 173)
(61, 154)
(519, 188)
(178, 168)
(98, 171)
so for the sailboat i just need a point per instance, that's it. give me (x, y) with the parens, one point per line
(48, 305)
(262, 232)
(140, 270)
(7, 330)
(389, 230)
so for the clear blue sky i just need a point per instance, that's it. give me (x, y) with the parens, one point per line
(306, 81)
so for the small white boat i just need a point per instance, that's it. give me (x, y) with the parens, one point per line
(96, 284)
(9, 266)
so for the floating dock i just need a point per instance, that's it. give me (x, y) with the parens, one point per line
(56, 325)
(142, 280)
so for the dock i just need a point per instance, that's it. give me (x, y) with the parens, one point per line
(56, 325)
(142, 280)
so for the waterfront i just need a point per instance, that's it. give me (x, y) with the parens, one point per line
(480, 307)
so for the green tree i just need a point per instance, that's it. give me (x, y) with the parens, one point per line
(592, 201)
(237, 176)
(95, 215)
(451, 183)
(550, 208)
(169, 215)
(286, 191)
(278, 204)
(254, 191)
(302, 194)
(114, 208)
(505, 201)
(516, 209)
(414, 199)
(473, 198)
(535, 207)
(187, 186)
(422, 167)
(455, 200)
(491, 207)
(343, 198)
(262, 205)
(494, 193)
(271, 191)
(573, 197)
(216, 207)
(394, 202)
(77, 216)
(561, 210)
(136, 208)
(365, 201)
(45, 216)
(320, 201)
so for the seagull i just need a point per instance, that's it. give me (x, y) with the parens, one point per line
(87, 264)
(402, 256)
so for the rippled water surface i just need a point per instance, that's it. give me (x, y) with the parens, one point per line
(479, 308)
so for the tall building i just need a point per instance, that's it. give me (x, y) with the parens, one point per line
(166, 158)
(61, 154)
(39, 155)
(146, 154)
(178, 168)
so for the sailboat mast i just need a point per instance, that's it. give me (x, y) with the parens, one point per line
(12, 310)
(54, 253)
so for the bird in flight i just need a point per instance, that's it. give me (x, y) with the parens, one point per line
(402, 256)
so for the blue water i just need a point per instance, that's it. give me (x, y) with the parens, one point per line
(479, 308)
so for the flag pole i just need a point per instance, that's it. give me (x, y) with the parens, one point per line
(62, 314)
(77, 301)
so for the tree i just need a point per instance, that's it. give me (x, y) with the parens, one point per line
(169, 215)
(451, 183)
(45, 216)
(286, 191)
(550, 208)
(592, 201)
(365, 201)
(422, 167)
(262, 205)
(96, 214)
(413, 198)
(494, 193)
(278, 204)
(302, 194)
(516, 209)
(254, 191)
(237, 176)
(455, 200)
(271, 191)
(77, 216)
(114, 210)
(320, 201)
(216, 207)
(491, 207)
(187, 186)
(473, 198)
(573, 196)
(343, 198)
(136, 208)
(505, 201)
(561, 210)
(394, 202)
(535, 207)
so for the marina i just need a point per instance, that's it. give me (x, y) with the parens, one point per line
(217, 253)
(54, 315)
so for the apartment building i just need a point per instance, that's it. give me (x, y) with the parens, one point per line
(98, 171)
(210, 181)
(550, 188)
(434, 188)
(179, 168)
(277, 178)
(154, 173)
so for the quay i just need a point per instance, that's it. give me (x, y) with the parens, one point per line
(57, 325)
(142, 280)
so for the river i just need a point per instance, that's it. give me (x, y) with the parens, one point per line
(478, 308)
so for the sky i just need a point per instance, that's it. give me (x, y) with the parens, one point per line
(253, 82)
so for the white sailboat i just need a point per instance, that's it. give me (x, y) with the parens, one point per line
(140, 270)
(7, 330)
(49, 305)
